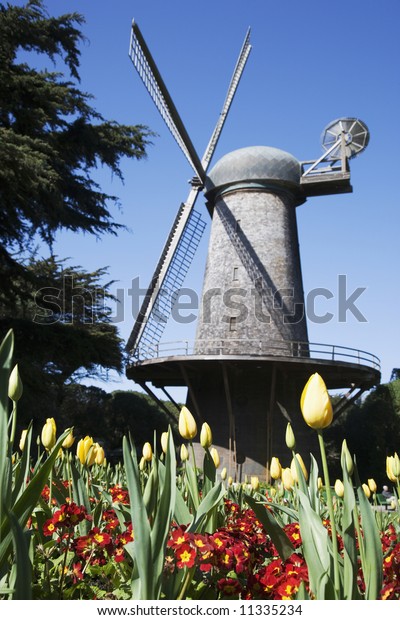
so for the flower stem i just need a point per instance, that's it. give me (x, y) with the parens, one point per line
(336, 574)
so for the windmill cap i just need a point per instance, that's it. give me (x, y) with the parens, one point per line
(254, 166)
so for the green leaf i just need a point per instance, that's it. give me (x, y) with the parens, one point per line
(272, 527)
(23, 579)
(211, 500)
(162, 523)
(350, 556)
(192, 484)
(6, 352)
(140, 549)
(313, 486)
(209, 471)
(372, 562)
(317, 550)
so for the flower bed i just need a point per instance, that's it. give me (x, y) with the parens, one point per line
(74, 527)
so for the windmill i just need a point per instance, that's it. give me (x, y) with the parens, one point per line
(251, 355)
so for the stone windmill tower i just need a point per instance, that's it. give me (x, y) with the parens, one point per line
(251, 356)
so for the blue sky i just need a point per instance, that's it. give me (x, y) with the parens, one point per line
(311, 63)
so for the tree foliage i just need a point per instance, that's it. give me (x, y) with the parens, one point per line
(372, 431)
(51, 141)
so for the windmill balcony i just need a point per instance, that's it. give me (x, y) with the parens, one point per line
(259, 348)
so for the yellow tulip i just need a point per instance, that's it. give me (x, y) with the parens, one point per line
(255, 483)
(346, 457)
(100, 455)
(83, 447)
(320, 484)
(187, 424)
(48, 435)
(215, 457)
(23, 439)
(223, 473)
(289, 437)
(315, 403)
(293, 468)
(184, 453)
(142, 464)
(339, 488)
(91, 455)
(372, 485)
(389, 468)
(147, 452)
(276, 468)
(205, 436)
(164, 441)
(366, 490)
(230, 481)
(15, 387)
(68, 441)
(396, 465)
(287, 479)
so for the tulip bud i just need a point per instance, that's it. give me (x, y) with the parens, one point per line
(100, 456)
(142, 464)
(276, 468)
(223, 473)
(315, 403)
(230, 481)
(205, 436)
(389, 468)
(255, 483)
(68, 441)
(372, 485)
(83, 447)
(347, 461)
(15, 387)
(187, 425)
(289, 437)
(147, 452)
(184, 453)
(293, 468)
(23, 439)
(48, 435)
(215, 457)
(396, 465)
(287, 479)
(320, 484)
(339, 488)
(164, 442)
(366, 490)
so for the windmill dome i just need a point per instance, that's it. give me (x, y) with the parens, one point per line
(254, 166)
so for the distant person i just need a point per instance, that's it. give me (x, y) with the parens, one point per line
(386, 493)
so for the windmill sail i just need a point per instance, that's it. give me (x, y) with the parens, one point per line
(188, 226)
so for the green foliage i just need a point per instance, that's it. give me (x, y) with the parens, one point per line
(372, 430)
(51, 142)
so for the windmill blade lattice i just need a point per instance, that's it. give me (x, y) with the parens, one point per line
(188, 227)
(151, 78)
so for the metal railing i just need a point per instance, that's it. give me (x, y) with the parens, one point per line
(258, 348)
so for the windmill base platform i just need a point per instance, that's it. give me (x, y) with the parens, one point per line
(248, 399)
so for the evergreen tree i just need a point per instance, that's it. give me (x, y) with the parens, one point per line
(51, 141)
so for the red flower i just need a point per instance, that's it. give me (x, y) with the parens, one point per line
(77, 574)
(178, 537)
(229, 586)
(119, 495)
(49, 528)
(186, 556)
